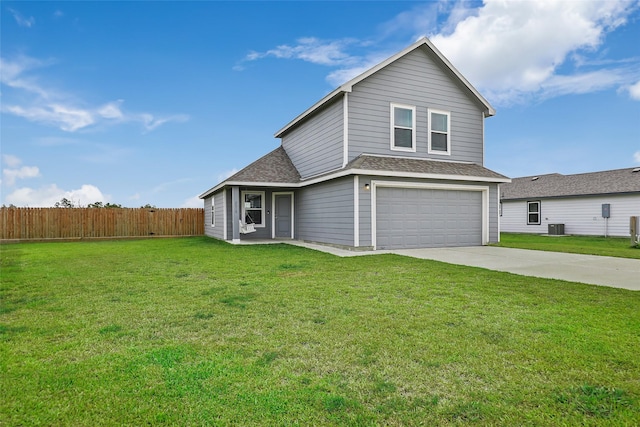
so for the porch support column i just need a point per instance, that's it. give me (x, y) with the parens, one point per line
(235, 213)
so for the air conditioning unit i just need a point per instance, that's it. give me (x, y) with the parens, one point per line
(556, 229)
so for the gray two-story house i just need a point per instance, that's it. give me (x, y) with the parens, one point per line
(391, 159)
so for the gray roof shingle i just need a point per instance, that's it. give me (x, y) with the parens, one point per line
(275, 166)
(421, 166)
(556, 185)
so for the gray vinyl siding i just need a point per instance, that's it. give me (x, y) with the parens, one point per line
(216, 231)
(316, 145)
(324, 212)
(580, 215)
(418, 81)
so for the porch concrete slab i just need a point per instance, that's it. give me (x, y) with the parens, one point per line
(591, 269)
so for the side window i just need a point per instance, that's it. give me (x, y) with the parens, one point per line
(213, 211)
(533, 213)
(403, 127)
(439, 132)
(253, 207)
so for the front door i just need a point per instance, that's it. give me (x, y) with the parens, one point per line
(283, 215)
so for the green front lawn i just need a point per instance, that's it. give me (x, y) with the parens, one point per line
(590, 245)
(191, 331)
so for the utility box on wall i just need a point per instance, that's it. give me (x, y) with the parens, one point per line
(606, 210)
(556, 229)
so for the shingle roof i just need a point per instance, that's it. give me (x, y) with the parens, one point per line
(275, 166)
(584, 184)
(421, 166)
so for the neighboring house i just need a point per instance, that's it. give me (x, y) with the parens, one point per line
(391, 159)
(530, 204)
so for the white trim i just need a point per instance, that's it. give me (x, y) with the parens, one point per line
(393, 126)
(345, 130)
(482, 122)
(273, 208)
(224, 213)
(348, 87)
(345, 172)
(430, 186)
(356, 211)
(262, 207)
(429, 131)
(539, 212)
(499, 205)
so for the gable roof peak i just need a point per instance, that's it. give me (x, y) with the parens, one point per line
(348, 86)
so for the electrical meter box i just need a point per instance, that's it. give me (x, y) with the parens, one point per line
(606, 210)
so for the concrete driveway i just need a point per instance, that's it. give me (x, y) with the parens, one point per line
(596, 270)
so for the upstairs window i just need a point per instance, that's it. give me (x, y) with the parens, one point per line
(439, 132)
(403, 127)
(533, 213)
(253, 207)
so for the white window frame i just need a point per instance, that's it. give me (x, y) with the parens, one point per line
(262, 206)
(448, 133)
(539, 212)
(393, 127)
(213, 211)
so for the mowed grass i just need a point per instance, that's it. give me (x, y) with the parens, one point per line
(192, 331)
(589, 245)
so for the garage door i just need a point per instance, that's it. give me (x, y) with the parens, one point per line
(425, 218)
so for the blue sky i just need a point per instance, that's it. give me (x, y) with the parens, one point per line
(155, 102)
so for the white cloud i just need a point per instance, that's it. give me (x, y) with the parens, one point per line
(150, 122)
(226, 174)
(14, 171)
(9, 176)
(310, 49)
(11, 161)
(636, 157)
(111, 110)
(634, 91)
(48, 195)
(21, 20)
(55, 108)
(510, 49)
(192, 202)
(66, 118)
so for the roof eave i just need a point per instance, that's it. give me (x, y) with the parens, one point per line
(569, 196)
(346, 172)
(247, 184)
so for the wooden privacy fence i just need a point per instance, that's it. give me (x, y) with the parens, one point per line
(87, 223)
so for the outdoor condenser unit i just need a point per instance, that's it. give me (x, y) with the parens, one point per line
(556, 229)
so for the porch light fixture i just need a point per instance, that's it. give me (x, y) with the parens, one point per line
(366, 186)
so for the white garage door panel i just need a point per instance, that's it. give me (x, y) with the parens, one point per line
(419, 218)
